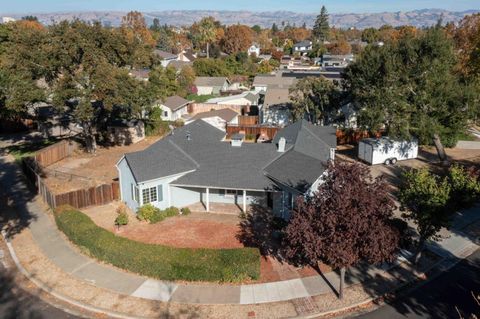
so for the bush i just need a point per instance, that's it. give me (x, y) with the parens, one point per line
(185, 211)
(156, 128)
(160, 262)
(148, 212)
(465, 186)
(122, 219)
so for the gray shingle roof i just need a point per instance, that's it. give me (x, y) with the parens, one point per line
(165, 55)
(214, 163)
(210, 81)
(225, 114)
(175, 102)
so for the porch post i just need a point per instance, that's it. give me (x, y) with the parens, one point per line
(244, 201)
(208, 200)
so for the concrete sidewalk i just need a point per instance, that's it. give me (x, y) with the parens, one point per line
(66, 257)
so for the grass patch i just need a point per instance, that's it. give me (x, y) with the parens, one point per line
(200, 98)
(20, 151)
(156, 261)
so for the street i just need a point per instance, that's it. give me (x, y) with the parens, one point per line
(441, 297)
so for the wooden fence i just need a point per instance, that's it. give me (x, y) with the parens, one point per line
(98, 195)
(247, 120)
(255, 130)
(54, 153)
(353, 136)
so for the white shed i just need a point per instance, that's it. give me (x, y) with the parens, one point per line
(385, 150)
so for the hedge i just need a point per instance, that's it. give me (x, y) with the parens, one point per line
(157, 261)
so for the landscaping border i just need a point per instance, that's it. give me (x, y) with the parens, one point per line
(157, 261)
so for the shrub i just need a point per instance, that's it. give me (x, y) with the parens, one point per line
(148, 212)
(465, 186)
(161, 262)
(186, 211)
(122, 219)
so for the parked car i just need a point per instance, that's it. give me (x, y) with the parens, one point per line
(386, 150)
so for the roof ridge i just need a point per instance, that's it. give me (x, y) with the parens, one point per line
(314, 135)
(183, 152)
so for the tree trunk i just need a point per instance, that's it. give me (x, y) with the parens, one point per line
(418, 253)
(342, 282)
(208, 50)
(440, 149)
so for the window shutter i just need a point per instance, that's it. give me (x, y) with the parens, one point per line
(160, 193)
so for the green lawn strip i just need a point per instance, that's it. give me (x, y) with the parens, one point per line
(156, 261)
(200, 98)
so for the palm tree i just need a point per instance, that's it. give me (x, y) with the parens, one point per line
(207, 32)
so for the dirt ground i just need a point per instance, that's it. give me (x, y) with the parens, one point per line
(197, 230)
(83, 170)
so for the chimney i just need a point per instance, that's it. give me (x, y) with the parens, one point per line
(281, 144)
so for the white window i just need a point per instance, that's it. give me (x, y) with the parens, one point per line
(229, 192)
(135, 193)
(149, 195)
(165, 113)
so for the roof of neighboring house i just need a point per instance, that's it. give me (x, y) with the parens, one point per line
(245, 95)
(273, 80)
(224, 114)
(175, 102)
(189, 55)
(140, 74)
(277, 96)
(304, 43)
(178, 65)
(165, 55)
(210, 81)
(207, 161)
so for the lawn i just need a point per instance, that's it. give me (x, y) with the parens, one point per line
(158, 261)
(200, 98)
(19, 151)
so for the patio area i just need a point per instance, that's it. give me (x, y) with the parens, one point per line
(218, 208)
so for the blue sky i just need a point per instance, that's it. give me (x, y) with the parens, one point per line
(334, 6)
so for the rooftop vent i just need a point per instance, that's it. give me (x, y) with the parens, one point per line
(189, 138)
(237, 139)
(281, 144)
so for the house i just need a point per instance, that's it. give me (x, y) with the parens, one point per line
(166, 57)
(173, 108)
(217, 118)
(141, 75)
(334, 61)
(302, 46)
(194, 164)
(123, 132)
(7, 19)
(262, 82)
(178, 65)
(211, 85)
(254, 49)
(244, 99)
(187, 56)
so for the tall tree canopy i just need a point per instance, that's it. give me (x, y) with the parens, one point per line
(237, 38)
(321, 29)
(346, 221)
(313, 98)
(409, 87)
(205, 32)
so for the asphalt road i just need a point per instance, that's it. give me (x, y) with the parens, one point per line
(439, 297)
(16, 303)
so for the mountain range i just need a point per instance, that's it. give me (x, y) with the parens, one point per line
(418, 18)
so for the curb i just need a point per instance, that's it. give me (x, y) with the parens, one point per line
(61, 297)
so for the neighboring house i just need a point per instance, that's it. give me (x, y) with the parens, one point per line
(276, 106)
(167, 57)
(341, 61)
(123, 132)
(187, 56)
(264, 57)
(211, 85)
(245, 98)
(51, 123)
(7, 19)
(194, 164)
(173, 108)
(141, 75)
(302, 46)
(179, 65)
(254, 49)
(217, 118)
(262, 82)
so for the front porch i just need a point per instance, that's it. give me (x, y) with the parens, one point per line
(218, 208)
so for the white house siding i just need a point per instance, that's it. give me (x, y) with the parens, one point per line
(204, 90)
(126, 180)
(169, 115)
(166, 199)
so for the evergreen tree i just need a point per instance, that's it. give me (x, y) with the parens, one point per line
(321, 29)
(274, 28)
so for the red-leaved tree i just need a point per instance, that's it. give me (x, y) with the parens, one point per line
(347, 221)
